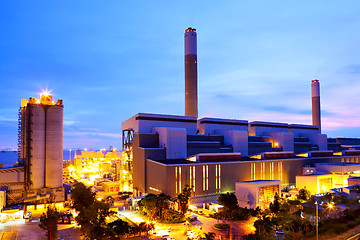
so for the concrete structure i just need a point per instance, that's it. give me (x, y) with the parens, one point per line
(42, 141)
(353, 181)
(341, 170)
(259, 193)
(191, 100)
(315, 97)
(40, 175)
(111, 186)
(166, 153)
(12, 181)
(316, 183)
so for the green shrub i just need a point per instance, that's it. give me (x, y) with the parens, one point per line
(221, 226)
(351, 225)
(171, 216)
(237, 214)
(334, 228)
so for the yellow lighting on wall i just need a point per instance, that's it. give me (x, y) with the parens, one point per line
(303, 155)
(256, 156)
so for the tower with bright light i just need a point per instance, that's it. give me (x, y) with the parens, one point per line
(191, 99)
(41, 143)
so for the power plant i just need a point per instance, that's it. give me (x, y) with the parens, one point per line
(191, 99)
(38, 178)
(166, 152)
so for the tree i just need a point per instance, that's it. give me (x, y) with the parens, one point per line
(184, 197)
(48, 222)
(275, 205)
(156, 206)
(264, 228)
(119, 227)
(304, 194)
(228, 200)
(209, 236)
(92, 213)
(82, 196)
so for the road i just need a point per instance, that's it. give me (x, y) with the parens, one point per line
(205, 224)
(31, 230)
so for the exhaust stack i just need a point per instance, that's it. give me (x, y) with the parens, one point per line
(191, 100)
(315, 95)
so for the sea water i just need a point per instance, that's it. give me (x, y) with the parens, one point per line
(9, 158)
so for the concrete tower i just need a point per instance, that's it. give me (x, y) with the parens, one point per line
(41, 144)
(315, 95)
(191, 100)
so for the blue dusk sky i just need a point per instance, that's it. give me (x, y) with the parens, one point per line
(109, 60)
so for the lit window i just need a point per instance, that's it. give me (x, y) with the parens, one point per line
(207, 177)
(180, 179)
(219, 177)
(176, 180)
(194, 178)
(216, 177)
(203, 178)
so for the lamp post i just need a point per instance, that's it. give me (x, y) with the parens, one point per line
(317, 220)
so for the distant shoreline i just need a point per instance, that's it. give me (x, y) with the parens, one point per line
(9, 158)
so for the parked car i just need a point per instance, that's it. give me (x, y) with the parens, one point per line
(168, 238)
(192, 218)
(189, 233)
(124, 197)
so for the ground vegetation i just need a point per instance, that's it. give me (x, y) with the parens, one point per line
(48, 222)
(231, 210)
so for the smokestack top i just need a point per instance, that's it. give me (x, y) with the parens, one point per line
(190, 30)
(190, 41)
(315, 88)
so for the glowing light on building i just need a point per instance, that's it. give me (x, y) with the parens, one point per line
(176, 180)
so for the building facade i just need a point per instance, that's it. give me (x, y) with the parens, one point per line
(210, 154)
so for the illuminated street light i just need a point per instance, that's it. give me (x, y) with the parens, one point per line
(317, 220)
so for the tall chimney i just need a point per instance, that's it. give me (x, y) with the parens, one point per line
(191, 101)
(315, 95)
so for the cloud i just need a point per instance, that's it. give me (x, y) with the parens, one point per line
(351, 69)
(8, 120)
(89, 133)
(68, 122)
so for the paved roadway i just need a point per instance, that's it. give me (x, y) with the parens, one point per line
(31, 230)
(205, 224)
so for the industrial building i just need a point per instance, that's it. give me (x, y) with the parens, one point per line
(38, 178)
(316, 183)
(212, 154)
(259, 193)
(93, 165)
(166, 152)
